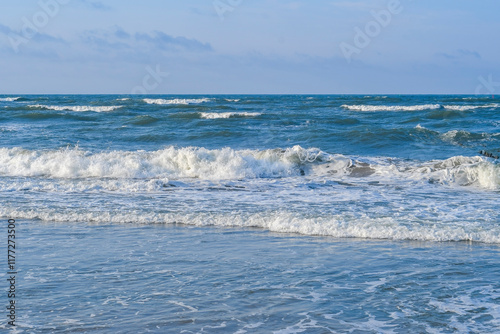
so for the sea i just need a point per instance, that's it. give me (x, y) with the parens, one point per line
(251, 213)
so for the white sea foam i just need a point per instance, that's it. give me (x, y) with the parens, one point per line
(451, 135)
(229, 164)
(456, 137)
(90, 185)
(13, 127)
(170, 162)
(176, 101)
(169, 173)
(76, 108)
(339, 226)
(460, 171)
(371, 108)
(367, 108)
(470, 107)
(461, 107)
(214, 115)
(9, 99)
(457, 171)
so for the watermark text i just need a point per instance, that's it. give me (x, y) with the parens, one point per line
(33, 25)
(11, 272)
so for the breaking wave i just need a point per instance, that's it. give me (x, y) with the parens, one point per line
(214, 115)
(363, 107)
(9, 99)
(283, 221)
(75, 108)
(229, 164)
(368, 108)
(176, 101)
(461, 171)
(171, 162)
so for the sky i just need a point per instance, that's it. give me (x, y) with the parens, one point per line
(250, 47)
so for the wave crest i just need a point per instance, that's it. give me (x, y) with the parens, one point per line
(171, 162)
(364, 107)
(75, 108)
(214, 115)
(282, 221)
(176, 101)
(371, 108)
(461, 171)
(228, 164)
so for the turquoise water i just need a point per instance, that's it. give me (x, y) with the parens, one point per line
(258, 214)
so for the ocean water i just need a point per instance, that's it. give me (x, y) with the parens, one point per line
(253, 214)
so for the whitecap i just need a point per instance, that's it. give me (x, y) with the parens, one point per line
(176, 101)
(76, 108)
(470, 107)
(171, 162)
(213, 115)
(368, 108)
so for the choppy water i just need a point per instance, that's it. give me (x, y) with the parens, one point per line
(372, 167)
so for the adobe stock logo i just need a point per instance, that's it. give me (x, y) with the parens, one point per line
(40, 19)
(150, 81)
(372, 29)
(487, 86)
(223, 6)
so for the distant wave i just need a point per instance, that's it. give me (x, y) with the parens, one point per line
(452, 135)
(176, 101)
(363, 107)
(76, 108)
(368, 108)
(214, 115)
(9, 99)
(456, 136)
(470, 107)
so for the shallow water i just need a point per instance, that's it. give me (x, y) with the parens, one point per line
(178, 279)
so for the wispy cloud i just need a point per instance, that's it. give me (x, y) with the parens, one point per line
(467, 53)
(166, 42)
(15, 39)
(155, 41)
(111, 44)
(459, 54)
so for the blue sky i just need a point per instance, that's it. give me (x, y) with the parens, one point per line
(249, 47)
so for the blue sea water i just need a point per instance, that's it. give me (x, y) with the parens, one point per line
(253, 214)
